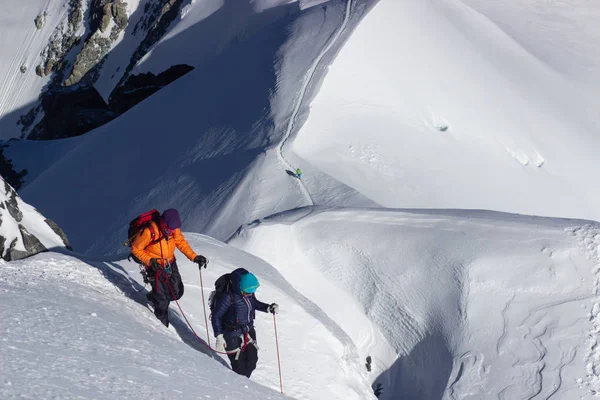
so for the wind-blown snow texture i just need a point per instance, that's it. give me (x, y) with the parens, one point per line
(469, 305)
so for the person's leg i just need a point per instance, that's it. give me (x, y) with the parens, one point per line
(233, 343)
(176, 283)
(161, 300)
(250, 355)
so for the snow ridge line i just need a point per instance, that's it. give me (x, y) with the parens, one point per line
(589, 241)
(307, 81)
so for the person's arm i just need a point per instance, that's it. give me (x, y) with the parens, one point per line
(183, 245)
(138, 247)
(259, 305)
(221, 306)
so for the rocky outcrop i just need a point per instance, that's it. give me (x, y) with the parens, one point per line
(75, 111)
(157, 18)
(63, 39)
(40, 20)
(139, 87)
(103, 15)
(24, 231)
(8, 172)
(64, 113)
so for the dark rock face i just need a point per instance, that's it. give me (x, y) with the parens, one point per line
(59, 232)
(139, 87)
(27, 242)
(8, 172)
(32, 246)
(11, 204)
(96, 45)
(71, 112)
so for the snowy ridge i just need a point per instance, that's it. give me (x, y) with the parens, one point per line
(433, 105)
(589, 238)
(307, 81)
(475, 305)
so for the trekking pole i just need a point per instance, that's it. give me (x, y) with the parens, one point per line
(204, 307)
(278, 359)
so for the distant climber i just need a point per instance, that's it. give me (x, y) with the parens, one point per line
(233, 316)
(298, 173)
(154, 246)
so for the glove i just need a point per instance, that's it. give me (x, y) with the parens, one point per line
(201, 261)
(273, 308)
(154, 264)
(220, 345)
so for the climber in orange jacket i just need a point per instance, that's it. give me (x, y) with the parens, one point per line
(155, 247)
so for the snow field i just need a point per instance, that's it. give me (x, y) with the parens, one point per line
(449, 304)
(520, 136)
(80, 328)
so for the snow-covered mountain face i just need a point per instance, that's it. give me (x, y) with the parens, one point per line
(428, 104)
(208, 144)
(70, 66)
(440, 105)
(23, 230)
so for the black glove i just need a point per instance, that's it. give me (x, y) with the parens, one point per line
(273, 308)
(201, 261)
(154, 264)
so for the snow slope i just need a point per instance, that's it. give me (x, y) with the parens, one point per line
(78, 327)
(206, 144)
(22, 44)
(449, 305)
(431, 104)
(473, 304)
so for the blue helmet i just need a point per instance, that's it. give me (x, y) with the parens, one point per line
(249, 283)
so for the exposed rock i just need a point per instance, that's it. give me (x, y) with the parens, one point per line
(49, 66)
(20, 229)
(11, 203)
(156, 21)
(8, 172)
(97, 46)
(119, 13)
(106, 17)
(23, 69)
(76, 15)
(59, 232)
(139, 87)
(40, 20)
(32, 246)
(62, 40)
(75, 111)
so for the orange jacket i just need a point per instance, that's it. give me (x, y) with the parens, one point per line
(162, 249)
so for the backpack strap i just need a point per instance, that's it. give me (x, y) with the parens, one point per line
(153, 235)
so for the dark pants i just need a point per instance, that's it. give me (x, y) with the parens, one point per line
(161, 293)
(246, 362)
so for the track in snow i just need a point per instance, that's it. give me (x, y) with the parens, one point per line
(307, 80)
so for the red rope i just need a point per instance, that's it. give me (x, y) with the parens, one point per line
(278, 359)
(190, 325)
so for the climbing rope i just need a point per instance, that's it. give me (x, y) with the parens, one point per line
(207, 344)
